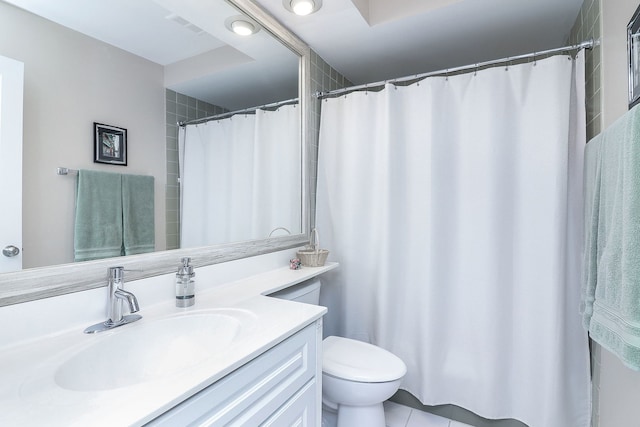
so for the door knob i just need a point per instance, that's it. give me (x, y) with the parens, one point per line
(10, 251)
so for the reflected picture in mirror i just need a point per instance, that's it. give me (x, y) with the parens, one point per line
(110, 144)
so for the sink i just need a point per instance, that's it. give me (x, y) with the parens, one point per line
(148, 351)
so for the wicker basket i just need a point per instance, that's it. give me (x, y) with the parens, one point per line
(312, 256)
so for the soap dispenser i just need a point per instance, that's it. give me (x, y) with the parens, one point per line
(185, 285)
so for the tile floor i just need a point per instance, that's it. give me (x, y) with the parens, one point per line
(403, 416)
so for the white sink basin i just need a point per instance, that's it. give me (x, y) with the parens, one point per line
(137, 353)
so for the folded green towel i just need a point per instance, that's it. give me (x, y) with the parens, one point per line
(98, 224)
(611, 279)
(138, 214)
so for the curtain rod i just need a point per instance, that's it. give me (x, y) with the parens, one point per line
(233, 113)
(589, 44)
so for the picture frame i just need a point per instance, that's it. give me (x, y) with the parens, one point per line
(633, 58)
(110, 144)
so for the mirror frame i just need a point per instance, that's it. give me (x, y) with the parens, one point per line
(44, 282)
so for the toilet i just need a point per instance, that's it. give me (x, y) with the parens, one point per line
(356, 376)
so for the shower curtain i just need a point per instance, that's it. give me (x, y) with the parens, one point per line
(453, 206)
(240, 177)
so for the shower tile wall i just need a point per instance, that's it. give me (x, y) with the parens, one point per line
(588, 25)
(179, 107)
(324, 78)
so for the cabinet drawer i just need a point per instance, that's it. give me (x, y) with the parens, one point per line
(300, 410)
(253, 392)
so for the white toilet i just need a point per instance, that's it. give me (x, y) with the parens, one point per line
(356, 376)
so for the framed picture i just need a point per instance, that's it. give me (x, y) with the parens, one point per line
(633, 58)
(110, 144)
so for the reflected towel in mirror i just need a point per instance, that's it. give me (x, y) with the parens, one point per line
(98, 224)
(138, 214)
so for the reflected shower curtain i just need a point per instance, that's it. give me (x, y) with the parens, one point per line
(240, 177)
(453, 207)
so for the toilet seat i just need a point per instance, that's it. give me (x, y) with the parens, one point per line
(359, 361)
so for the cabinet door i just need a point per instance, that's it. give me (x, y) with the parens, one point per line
(254, 392)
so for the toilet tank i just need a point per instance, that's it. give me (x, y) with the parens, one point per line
(307, 292)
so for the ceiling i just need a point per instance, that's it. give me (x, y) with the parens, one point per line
(373, 40)
(365, 40)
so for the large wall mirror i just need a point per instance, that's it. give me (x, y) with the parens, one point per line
(73, 80)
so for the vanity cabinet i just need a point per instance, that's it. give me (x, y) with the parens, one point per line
(280, 387)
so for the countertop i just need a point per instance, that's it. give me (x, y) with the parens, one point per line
(29, 394)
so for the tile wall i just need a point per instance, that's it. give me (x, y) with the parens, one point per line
(588, 25)
(324, 78)
(179, 107)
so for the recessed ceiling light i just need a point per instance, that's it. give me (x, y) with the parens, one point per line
(302, 7)
(241, 25)
(242, 28)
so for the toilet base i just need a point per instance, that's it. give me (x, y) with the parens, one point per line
(370, 416)
(329, 416)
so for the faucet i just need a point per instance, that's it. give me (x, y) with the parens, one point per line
(116, 298)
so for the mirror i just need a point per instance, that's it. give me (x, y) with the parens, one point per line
(633, 58)
(33, 283)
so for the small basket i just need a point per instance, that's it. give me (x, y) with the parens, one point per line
(312, 256)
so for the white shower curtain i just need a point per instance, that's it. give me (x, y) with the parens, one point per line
(240, 177)
(453, 207)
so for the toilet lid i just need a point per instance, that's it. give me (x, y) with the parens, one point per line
(359, 361)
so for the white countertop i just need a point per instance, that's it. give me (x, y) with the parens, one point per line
(29, 394)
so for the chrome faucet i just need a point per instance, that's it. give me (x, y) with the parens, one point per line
(117, 296)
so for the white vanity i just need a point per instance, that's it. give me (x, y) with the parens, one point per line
(279, 387)
(237, 357)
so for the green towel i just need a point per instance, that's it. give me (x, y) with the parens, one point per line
(591, 211)
(98, 224)
(611, 277)
(138, 214)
